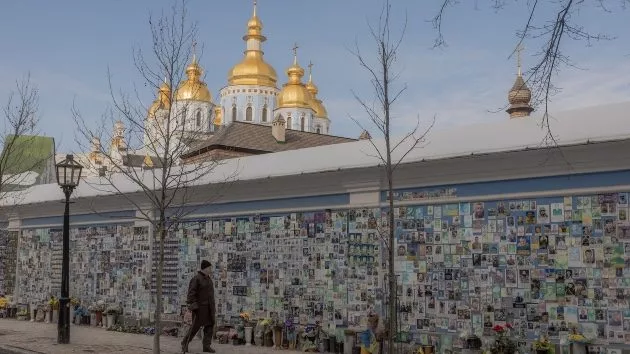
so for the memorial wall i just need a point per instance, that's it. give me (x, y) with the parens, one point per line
(541, 264)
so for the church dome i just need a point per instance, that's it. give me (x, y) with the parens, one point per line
(162, 101)
(316, 103)
(294, 93)
(193, 88)
(520, 93)
(253, 70)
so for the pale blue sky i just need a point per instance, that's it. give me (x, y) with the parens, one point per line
(67, 45)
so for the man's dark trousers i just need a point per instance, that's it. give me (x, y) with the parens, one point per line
(192, 331)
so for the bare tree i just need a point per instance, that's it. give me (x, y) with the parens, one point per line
(157, 136)
(553, 29)
(383, 76)
(17, 136)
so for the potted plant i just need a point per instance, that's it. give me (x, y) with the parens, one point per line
(503, 340)
(54, 309)
(260, 330)
(247, 327)
(277, 334)
(113, 311)
(543, 345)
(578, 342)
(291, 333)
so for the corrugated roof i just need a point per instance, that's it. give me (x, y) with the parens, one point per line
(249, 136)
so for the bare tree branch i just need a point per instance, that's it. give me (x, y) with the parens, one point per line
(392, 154)
(159, 137)
(554, 28)
(18, 160)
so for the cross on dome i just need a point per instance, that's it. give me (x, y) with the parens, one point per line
(295, 48)
(519, 49)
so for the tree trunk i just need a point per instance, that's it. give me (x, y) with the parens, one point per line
(393, 322)
(162, 231)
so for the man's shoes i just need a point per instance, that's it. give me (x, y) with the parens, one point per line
(209, 350)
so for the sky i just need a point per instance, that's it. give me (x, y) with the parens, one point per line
(68, 46)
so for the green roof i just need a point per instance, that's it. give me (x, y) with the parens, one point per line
(28, 153)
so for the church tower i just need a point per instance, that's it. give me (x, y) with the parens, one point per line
(251, 91)
(193, 107)
(519, 96)
(321, 123)
(294, 101)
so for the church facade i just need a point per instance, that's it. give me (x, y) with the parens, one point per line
(193, 119)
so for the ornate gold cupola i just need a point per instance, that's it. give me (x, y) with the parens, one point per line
(193, 88)
(316, 103)
(520, 95)
(294, 93)
(253, 70)
(163, 100)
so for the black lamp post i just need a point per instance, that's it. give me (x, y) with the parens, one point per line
(68, 177)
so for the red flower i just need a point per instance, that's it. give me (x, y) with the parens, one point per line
(498, 328)
(508, 325)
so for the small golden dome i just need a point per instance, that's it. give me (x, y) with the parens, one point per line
(253, 70)
(316, 103)
(163, 100)
(193, 88)
(294, 93)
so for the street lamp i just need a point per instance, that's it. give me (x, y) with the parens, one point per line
(68, 177)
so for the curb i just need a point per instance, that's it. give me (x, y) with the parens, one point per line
(9, 349)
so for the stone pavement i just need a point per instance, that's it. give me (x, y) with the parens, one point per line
(21, 337)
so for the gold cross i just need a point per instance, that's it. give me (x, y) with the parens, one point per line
(295, 48)
(194, 48)
(310, 67)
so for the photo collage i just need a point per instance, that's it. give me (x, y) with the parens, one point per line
(541, 264)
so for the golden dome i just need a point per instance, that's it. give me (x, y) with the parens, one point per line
(316, 103)
(253, 70)
(163, 100)
(193, 88)
(294, 93)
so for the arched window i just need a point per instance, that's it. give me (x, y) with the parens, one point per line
(248, 114)
(198, 119)
(302, 119)
(289, 122)
(264, 114)
(319, 129)
(234, 113)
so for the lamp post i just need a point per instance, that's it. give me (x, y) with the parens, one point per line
(68, 177)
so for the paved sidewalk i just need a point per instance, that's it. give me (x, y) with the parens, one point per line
(35, 338)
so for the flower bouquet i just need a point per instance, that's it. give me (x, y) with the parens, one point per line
(503, 340)
(577, 337)
(543, 345)
(53, 303)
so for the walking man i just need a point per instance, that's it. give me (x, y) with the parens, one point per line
(200, 301)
